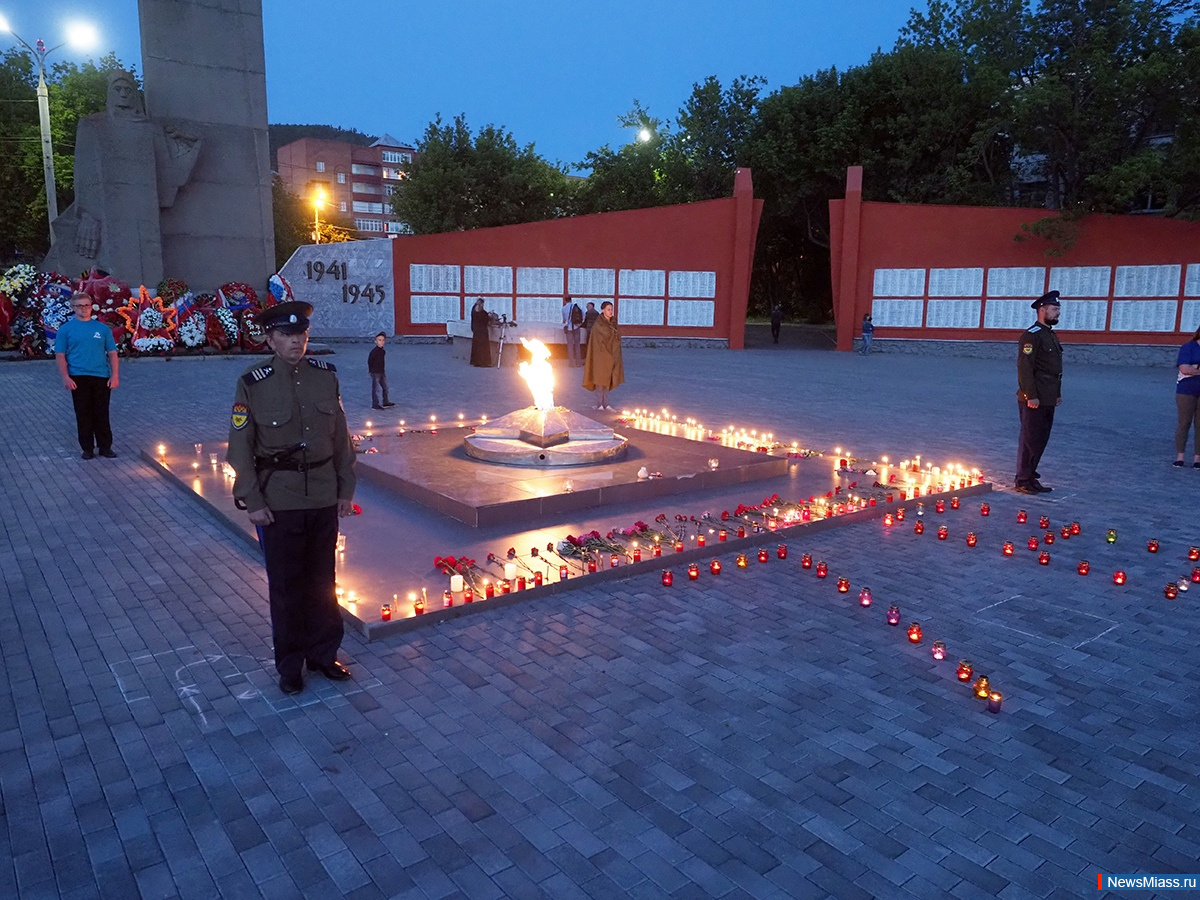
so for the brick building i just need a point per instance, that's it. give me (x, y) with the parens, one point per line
(358, 181)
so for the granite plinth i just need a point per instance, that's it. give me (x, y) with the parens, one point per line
(543, 439)
(435, 470)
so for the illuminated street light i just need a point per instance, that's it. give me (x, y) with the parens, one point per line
(318, 203)
(82, 36)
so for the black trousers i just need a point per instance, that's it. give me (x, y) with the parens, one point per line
(90, 398)
(306, 623)
(1035, 433)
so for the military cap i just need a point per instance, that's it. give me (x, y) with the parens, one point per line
(1050, 299)
(290, 317)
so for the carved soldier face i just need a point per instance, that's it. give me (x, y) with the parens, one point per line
(123, 100)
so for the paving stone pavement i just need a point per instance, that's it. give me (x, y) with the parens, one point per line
(752, 735)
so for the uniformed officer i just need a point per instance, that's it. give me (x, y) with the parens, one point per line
(290, 448)
(1039, 391)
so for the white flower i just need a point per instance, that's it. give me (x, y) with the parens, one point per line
(192, 332)
(150, 319)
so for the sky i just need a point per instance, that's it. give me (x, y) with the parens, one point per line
(555, 73)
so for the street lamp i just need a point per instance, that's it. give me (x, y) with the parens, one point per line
(318, 202)
(81, 35)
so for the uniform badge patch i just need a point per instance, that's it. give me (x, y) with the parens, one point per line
(240, 415)
(1027, 349)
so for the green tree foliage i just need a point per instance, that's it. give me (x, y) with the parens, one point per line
(460, 181)
(294, 223)
(74, 92)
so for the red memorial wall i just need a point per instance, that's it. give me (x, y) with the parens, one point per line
(672, 271)
(957, 273)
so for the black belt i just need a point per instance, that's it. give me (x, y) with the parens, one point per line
(271, 464)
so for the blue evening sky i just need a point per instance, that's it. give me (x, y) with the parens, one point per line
(557, 73)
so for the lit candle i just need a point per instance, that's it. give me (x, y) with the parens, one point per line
(1111, 536)
(954, 503)
(1171, 591)
(506, 587)
(1194, 553)
(1118, 577)
(1066, 532)
(939, 506)
(982, 688)
(1022, 517)
(562, 573)
(657, 548)
(693, 572)
(741, 532)
(1076, 528)
(914, 632)
(781, 551)
(1043, 522)
(822, 570)
(679, 546)
(700, 539)
(1152, 545)
(1084, 567)
(984, 509)
(763, 555)
(468, 596)
(806, 561)
(1032, 543)
(591, 565)
(864, 597)
(385, 613)
(742, 561)
(637, 555)
(1044, 558)
(614, 561)
(888, 519)
(520, 582)
(447, 599)
(843, 585)
(537, 579)
(489, 590)
(964, 670)
(457, 583)
(715, 567)
(919, 527)
(995, 699)
(972, 540)
(893, 615)
(668, 577)
(939, 650)
(943, 532)
(1196, 575)
(1048, 537)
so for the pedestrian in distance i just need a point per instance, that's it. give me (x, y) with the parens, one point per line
(377, 369)
(1187, 400)
(1039, 391)
(87, 362)
(868, 332)
(776, 321)
(481, 341)
(294, 473)
(603, 369)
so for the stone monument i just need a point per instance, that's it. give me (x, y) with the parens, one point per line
(190, 196)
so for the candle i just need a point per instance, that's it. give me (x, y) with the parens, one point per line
(982, 688)
(1152, 545)
(1111, 536)
(888, 519)
(447, 599)
(995, 699)
(614, 561)
(914, 632)
(939, 650)
(964, 670)
(1008, 548)
(1196, 575)
(1065, 532)
(893, 615)
(984, 509)
(939, 506)
(864, 597)
(679, 546)
(1171, 591)
(1032, 543)
(1194, 553)
(715, 567)
(657, 548)
(385, 612)
(1022, 517)
(537, 579)
(954, 503)
(510, 571)
(741, 532)
(1044, 558)
(722, 534)
(822, 570)
(943, 532)
(563, 573)
(1118, 577)
(489, 590)
(781, 551)
(520, 582)
(1043, 522)
(468, 596)
(1076, 528)
(1048, 537)
(456, 583)
(1084, 567)
(843, 585)
(668, 577)
(506, 587)
(919, 527)
(900, 514)
(972, 540)
(742, 561)
(806, 561)
(763, 555)
(700, 540)
(693, 572)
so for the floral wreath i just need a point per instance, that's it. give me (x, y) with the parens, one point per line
(151, 322)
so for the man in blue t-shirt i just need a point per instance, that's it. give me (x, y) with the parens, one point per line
(87, 362)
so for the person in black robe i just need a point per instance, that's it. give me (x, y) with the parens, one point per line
(481, 342)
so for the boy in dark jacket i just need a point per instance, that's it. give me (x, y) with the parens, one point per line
(375, 366)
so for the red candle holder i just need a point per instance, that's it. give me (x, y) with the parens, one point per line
(939, 506)
(1066, 532)
(741, 532)
(806, 561)
(939, 650)
(984, 509)
(943, 532)
(822, 570)
(489, 591)
(1084, 567)
(893, 615)
(1075, 528)
(954, 503)
(1196, 576)
(637, 554)
(1044, 558)
(995, 701)
(1022, 517)
(972, 539)
(563, 573)
(843, 585)
(591, 565)
(1152, 545)
(1048, 537)
(614, 561)
(1171, 591)
(1008, 548)
(781, 551)
(657, 549)
(385, 612)
(864, 597)
(763, 555)
(468, 596)
(918, 527)
(742, 561)
(693, 572)
(447, 599)
(715, 567)
(806, 515)
(1194, 553)
(537, 579)
(520, 582)
(982, 688)
(1032, 543)
(679, 546)
(1118, 577)
(888, 519)
(1043, 522)
(722, 535)
(506, 586)
(900, 514)
(700, 540)
(668, 577)
(914, 632)
(964, 671)
(890, 497)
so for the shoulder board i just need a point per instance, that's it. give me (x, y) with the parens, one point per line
(256, 375)
(321, 364)
(1037, 327)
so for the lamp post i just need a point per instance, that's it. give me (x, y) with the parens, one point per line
(80, 35)
(318, 202)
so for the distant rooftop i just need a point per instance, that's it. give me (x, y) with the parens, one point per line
(387, 140)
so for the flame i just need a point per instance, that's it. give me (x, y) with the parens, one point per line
(538, 374)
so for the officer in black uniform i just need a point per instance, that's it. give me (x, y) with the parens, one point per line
(1039, 391)
(290, 448)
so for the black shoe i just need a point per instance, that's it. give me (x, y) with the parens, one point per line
(1041, 488)
(373, 406)
(1025, 489)
(387, 405)
(335, 671)
(291, 684)
(1179, 464)
(108, 454)
(1196, 465)
(87, 454)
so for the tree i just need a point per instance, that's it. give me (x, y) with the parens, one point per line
(633, 176)
(294, 224)
(459, 181)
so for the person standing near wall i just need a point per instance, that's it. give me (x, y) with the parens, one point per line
(1039, 391)
(604, 370)
(572, 317)
(377, 369)
(481, 341)
(87, 361)
(868, 332)
(1187, 399)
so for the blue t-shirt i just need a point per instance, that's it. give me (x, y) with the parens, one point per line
(85, 345)
(1189, 355)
